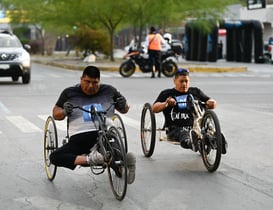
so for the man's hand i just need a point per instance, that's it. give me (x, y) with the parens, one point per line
(68, 108)
(170, 102)
(121, 102)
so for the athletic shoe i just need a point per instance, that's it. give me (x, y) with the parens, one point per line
(131, 162)
(185, 140)
(95, 158)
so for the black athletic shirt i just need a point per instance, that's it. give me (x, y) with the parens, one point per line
(77, 121)
(179, 116)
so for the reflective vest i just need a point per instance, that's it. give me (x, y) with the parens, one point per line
(155, 41)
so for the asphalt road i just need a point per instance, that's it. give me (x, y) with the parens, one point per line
(173, 178)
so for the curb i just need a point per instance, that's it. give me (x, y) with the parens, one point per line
(192, 68)
(217, 69)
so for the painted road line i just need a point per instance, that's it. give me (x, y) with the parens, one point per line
(61, 125)
(4, 108)
(23, 124)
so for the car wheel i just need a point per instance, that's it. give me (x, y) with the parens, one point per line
(26, 78)
(14, 78)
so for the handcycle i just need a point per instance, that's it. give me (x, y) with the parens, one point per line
(111, 144)
(205, 134)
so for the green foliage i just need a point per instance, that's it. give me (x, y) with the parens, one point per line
(90, 40)
(61, 16)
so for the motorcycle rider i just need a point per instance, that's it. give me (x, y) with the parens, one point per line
(153, 42)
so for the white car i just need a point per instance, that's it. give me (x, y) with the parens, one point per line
(14, 59)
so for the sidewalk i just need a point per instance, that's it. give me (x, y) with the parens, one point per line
(77, 63)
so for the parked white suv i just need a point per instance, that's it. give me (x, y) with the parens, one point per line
(14, 59)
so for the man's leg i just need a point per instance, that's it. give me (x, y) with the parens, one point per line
(152, 62)
(158, 63)
(71, 154)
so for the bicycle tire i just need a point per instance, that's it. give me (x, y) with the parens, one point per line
(147, 130)
(117, 170)
(50, 145)
(211, 145)
(118, 122)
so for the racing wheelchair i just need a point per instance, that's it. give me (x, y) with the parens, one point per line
(112, 144)
(205, 133)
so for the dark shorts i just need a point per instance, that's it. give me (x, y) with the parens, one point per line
(179, 134)
(78, 144)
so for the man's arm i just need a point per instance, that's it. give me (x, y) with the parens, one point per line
(58, 113)
(160, 106)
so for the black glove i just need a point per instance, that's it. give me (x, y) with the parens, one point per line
(121, 102)
(68, 108)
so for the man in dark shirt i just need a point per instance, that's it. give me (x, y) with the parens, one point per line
(81, 147)
(178, 119)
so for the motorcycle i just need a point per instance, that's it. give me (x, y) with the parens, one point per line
(138, 57)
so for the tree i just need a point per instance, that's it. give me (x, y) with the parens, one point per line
(110, 15)
(63, 15)
(162, 13)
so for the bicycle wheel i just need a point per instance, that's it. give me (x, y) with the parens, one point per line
(117, 170)
(211, 144)
(121, 128)
(147, 130)
(50, 145)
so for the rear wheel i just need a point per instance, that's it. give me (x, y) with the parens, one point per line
(147, 130)
(127, 68)
(50, 145)
(211, 145)
(121, 128)
(169, 68)
(117, 170)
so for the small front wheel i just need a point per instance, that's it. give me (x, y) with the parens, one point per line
(50, 145)
(211, 144)
(121, 128)
(117, 170)
(147, 130)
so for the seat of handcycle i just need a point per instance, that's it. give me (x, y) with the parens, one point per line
(164, 137)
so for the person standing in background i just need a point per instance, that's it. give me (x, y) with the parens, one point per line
(154, 41)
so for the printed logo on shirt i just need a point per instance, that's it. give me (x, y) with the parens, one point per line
(87, 116)
(181, 101)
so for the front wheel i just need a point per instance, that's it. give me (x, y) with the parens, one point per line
(117, 170)
(26, 77)
(50, 145)
(121, 128)
(127, 68)
(211, 144)
(147, 130)
(169, 68)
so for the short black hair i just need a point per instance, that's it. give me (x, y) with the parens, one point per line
(91, 71)
(152, 29)
(182, 72)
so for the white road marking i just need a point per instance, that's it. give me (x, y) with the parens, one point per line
(26, 126)
(4, 108)
(61, 125)
(23, 124)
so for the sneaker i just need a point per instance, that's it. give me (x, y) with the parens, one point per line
(131, 162)
(95, 158)
(185, 140)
